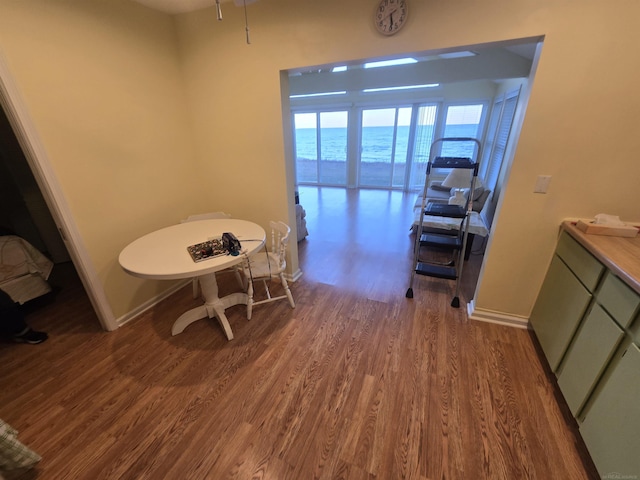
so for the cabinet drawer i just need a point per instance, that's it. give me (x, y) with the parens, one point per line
(617, 298)
(587, 357)
(584, 265)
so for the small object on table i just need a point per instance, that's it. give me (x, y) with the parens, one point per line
(204, 250)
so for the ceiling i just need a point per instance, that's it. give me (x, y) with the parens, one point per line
(496, 63)
(183, 6)
(524, 49)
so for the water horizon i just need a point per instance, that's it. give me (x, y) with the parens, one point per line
(377, 143)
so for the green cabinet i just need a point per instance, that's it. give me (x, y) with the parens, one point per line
(558, 310)
(585, 266)
(587, 356)
(564, 297)
(611, 423)
(601, 331)
(617, 298)
(587, 321)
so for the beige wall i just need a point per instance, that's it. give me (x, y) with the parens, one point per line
(579, 123)
(579, 126)
(102, 84)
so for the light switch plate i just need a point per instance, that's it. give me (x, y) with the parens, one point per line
(542, 184)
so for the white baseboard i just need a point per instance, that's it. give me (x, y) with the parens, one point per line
(499, 318)
(127, 317)
(294, 276)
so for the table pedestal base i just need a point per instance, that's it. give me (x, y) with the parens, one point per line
(213, 307)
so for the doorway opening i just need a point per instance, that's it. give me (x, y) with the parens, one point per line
(24, 214)
(57, 212)
(359, 127)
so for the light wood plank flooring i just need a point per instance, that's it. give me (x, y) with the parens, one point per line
(357, 382)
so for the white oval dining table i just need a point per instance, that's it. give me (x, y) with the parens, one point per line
(163, 255)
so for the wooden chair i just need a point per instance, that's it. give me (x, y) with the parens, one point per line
(194, 218)
(267, 265)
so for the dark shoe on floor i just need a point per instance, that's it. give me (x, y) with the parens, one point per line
(31, 336)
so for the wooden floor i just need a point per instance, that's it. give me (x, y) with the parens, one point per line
(357, 382)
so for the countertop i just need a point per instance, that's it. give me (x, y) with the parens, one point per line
(620, 254)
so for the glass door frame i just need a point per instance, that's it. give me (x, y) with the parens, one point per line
(397, 105)
(318, 143)
(354, 136)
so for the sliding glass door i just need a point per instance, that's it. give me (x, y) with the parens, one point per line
(383, 147)
(394, 143)
(321, 147)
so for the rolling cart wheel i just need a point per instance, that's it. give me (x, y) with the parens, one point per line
(409, 293)
(455, 302)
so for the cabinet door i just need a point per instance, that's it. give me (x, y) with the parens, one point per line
(612, 422)
(558, 310)
(585, 360)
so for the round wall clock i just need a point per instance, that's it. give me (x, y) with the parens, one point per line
(391, 16)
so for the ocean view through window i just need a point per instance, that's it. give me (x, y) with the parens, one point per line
(383, 147)
(394, 144)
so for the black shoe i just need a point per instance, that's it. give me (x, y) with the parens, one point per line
(31, 336)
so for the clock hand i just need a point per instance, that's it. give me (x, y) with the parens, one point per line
(390, 12)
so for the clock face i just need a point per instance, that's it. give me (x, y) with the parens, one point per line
(390, 16)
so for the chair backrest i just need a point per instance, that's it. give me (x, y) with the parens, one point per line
(205, 216)
(280, 232)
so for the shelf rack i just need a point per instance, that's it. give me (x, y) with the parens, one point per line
(455, 244)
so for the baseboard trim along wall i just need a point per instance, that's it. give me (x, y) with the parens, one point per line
(127, 317)
(490, 316)
(294, 276)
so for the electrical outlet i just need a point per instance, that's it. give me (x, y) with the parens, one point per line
(542, 184)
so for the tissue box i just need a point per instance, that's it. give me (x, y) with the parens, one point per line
(612, 230)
